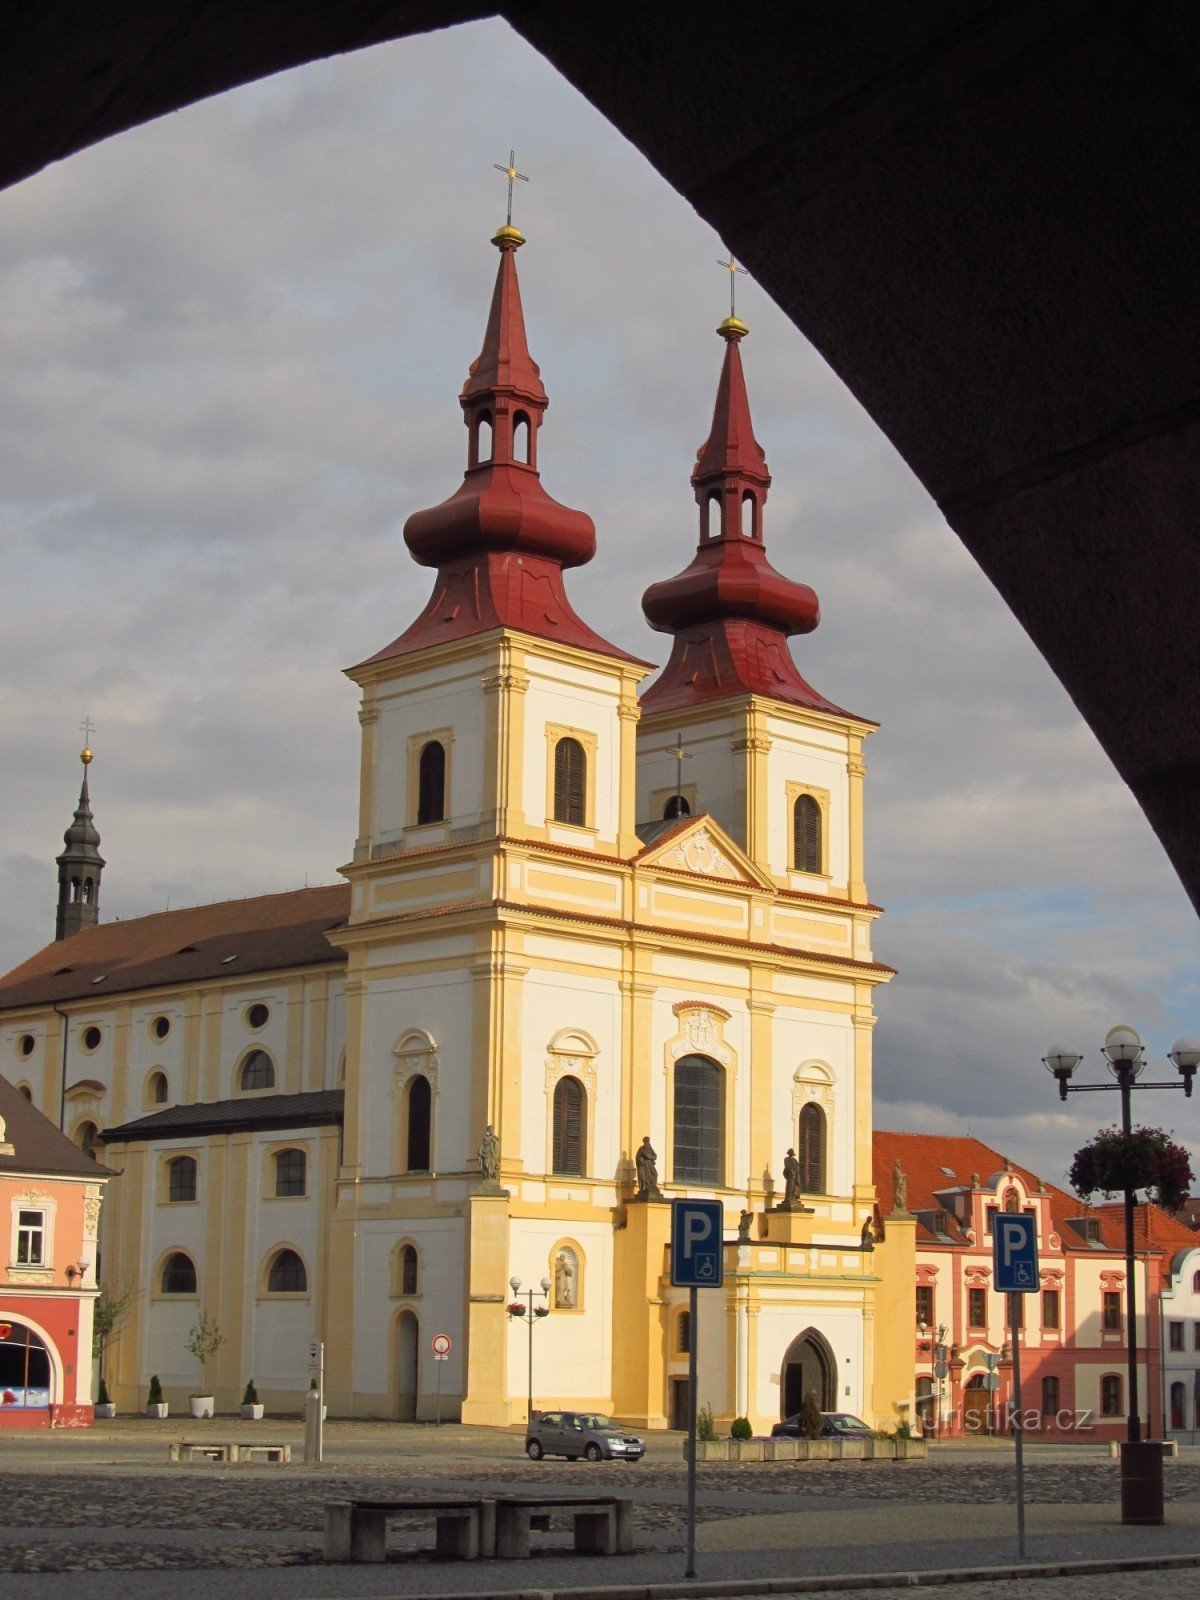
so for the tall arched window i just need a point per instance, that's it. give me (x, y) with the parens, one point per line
(287, 1274)
(806, 834)
(431, 783)
(408, 1269)
(570, 1126)
(179, 1274)
(291, 1173)
(181, 1178)
(258, 1071)
(158, 1088)
(521, 437)
(699, 1121)
(1111, 1400)
(810, 1149)
(420, 1106)
(570, 782)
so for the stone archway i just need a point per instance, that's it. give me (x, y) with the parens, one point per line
(406, 1365)
(809, 1364)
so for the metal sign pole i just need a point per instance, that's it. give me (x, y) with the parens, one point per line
(693, 1341)
(438, 1362)
(1014, 1327)
(320, 1424)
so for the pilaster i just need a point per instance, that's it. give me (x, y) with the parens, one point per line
(639, 1345)
(486, 1401)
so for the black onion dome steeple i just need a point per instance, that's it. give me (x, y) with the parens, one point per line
(79, 866)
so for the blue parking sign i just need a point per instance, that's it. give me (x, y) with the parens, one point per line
(1014, 1253)
(697, 1244)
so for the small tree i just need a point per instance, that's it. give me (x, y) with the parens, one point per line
(740, 1428)
(706, 1428)
(112, 1306)
(203, 1342)
(155, 1395)
(250, 1398)
(810, 1417)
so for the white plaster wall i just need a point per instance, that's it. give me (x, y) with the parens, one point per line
(665, 1048)
(572, 1350)
(814, 756)
(438, 1307)
(711, 766)
(554, 1001)
(804, 1044)
(780, 1323)
(1181, 1303)
(566, 696)
(448, 698)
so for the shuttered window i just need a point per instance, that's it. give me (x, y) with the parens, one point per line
(806, 834)
(431, 784)
(570, 1125)
(419, 1109)
(810, 1149)
(570, 781)
(699, 1115)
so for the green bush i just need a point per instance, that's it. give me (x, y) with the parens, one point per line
(155, 1397)
(705, 1426)
(102, 1394)
(250, 1398)
(741, 1429)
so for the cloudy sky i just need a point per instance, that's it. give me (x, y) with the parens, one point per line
(230, 350)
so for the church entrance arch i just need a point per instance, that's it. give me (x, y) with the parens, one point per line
(406, 1337)
(809, 1365)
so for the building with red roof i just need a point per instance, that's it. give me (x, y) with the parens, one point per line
(1074, 1355)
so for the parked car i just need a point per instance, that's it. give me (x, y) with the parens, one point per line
(581, 1433)
(834, 1425)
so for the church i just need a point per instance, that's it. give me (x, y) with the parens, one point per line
(604, 939)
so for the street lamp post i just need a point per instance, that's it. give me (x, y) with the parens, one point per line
(530, 1315)
(1141, 1460)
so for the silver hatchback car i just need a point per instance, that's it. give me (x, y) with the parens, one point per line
(581, 1433)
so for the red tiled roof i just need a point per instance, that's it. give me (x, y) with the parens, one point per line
(224, 940)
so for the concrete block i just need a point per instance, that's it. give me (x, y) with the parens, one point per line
(596, 1531)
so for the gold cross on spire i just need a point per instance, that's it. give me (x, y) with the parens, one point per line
(87, 728)
(513, 176)
(733, 267)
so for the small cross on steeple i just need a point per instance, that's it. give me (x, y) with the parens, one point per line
(513, 176)
(733, 267)
(87, 728)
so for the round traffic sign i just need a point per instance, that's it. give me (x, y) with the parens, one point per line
(441, 1344)
(940, 1369)
(992, 1381)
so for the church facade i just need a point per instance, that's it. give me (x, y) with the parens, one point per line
(599, 945)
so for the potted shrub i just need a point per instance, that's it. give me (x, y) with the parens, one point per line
(203, 1342)
(251, 1410)
(103, 1410)
(156, 1406)
(740, 1428)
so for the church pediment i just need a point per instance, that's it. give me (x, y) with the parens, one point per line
(701, 847)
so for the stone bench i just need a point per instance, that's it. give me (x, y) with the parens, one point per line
(356, 1530)
(603, 1523)
(226, 1450)
(1170, 1447)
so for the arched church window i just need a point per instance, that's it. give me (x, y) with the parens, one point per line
(431, 783)
(676, 806)
(712, 528)
(810, 1149)
(570, 779)
(420, 1109)
(74, 888)
(158, 1088)
(287, 1274)
(699, 1120)
(806, 834)
(570, 1126)
(521, 437)
(258, 1071)
(749, 515)
(181, 1179)
(179, 1274)
(87, 891)
(291, 1173)
(408, 1269)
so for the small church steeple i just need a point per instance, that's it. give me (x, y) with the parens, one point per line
(79, 866)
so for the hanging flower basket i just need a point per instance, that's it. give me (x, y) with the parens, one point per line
(541, 1311)
(1146, 1158)
(516, 1308)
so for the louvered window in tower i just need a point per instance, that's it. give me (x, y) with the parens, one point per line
(420, 1108)
(431, 787)
(806, 834)
(570, 779)
(699, 1115)
(810, 1149)
(570, 1125)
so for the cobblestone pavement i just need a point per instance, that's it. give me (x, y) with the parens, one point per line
(1142, 1585)
(274, 1515)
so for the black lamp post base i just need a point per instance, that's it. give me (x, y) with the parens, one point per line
(1142, 1483)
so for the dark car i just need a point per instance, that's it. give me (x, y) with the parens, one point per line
(581, 1433)
(834, 1425)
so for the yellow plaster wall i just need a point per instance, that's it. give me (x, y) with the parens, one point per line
(893, 1372)
(639, 1332)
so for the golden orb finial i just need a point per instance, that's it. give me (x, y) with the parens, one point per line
(732, 328)
(508, 235)
(85, 755)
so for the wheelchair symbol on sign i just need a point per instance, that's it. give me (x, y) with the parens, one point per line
(1024, 1272)
(705, 1267)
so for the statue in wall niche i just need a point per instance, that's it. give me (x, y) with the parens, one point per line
(489, 1155)
(791, 1178)
(646, 1163)
(899, 1186)
(564, 1281)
